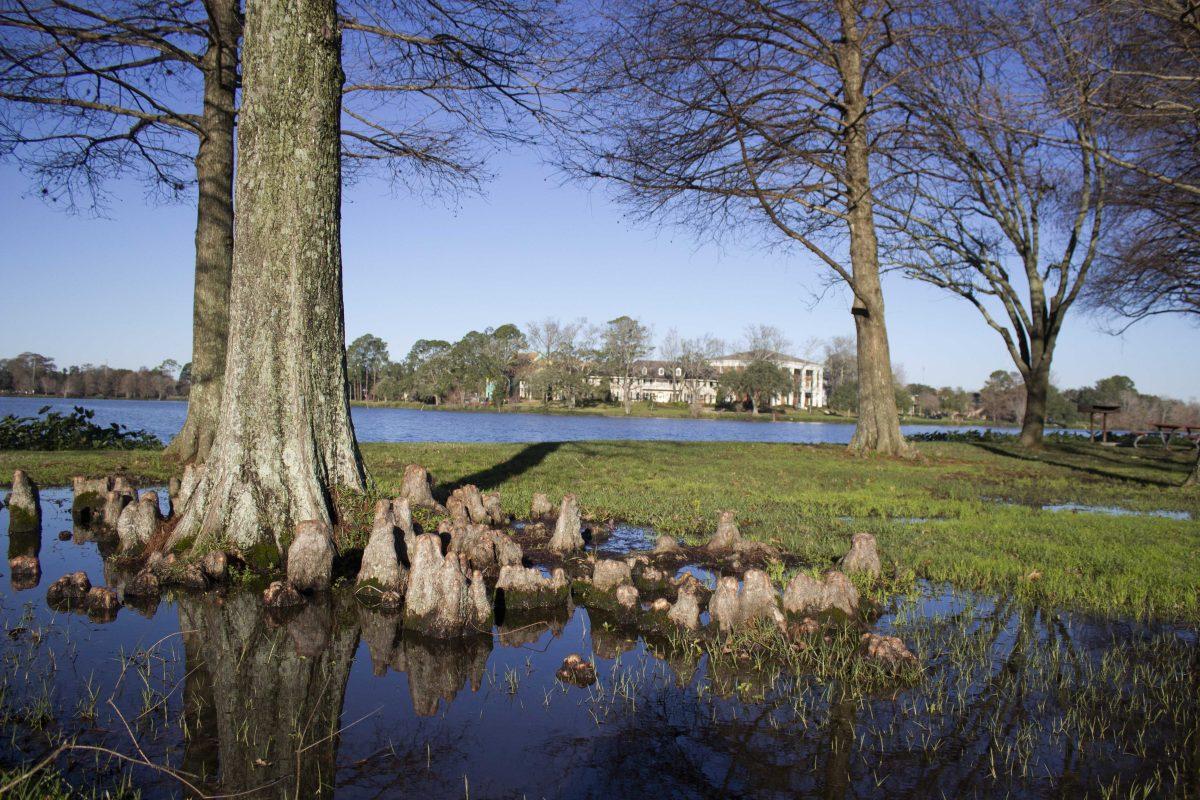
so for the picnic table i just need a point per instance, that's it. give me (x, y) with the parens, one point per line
(1166, 431)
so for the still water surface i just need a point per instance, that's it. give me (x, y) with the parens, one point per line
(164, 418)
(339, 701)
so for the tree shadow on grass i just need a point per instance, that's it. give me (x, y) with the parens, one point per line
(525, 459)
(1048, 457)
(1149, 456)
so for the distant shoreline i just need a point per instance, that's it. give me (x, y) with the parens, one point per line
(177, 399)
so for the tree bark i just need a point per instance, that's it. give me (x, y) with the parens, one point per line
(628, 394)
(1033, 424)
(878, 427)
(214, 234)
(285, 441)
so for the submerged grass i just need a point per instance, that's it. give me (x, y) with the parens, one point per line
(968, 514)
(1008, 700)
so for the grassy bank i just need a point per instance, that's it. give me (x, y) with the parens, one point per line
(965, 513)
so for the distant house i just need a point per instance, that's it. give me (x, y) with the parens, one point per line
(808, 377)
(659, 381)
(663, 382)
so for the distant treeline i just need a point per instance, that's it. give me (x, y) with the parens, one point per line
(554, 359)
(1002, 398)
(33, 373)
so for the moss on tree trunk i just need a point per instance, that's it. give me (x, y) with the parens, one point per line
(284, 442)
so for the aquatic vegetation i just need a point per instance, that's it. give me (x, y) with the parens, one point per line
(52, 430)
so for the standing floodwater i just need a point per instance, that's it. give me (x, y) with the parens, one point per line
(228, 697)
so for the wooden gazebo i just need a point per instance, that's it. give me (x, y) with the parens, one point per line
(1102, 411)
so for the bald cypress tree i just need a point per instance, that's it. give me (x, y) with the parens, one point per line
(284, 443)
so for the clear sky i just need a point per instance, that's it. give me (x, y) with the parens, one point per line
(117, 290)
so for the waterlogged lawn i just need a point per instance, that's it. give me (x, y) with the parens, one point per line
(969, 514)
(211, 694)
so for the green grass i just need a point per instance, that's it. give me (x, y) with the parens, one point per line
(49, 784)
(965, 513)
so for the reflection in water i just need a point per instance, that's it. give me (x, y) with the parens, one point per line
(1012, 700)
(437, 669)
(264, 698)
(24, 559)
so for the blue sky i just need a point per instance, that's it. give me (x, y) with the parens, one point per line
(117, 290)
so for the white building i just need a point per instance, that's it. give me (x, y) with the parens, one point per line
(663, 383)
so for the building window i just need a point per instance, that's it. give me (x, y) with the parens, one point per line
(661, 372)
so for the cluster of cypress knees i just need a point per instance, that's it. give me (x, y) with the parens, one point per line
(476, 566)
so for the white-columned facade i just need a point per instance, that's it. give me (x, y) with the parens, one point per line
(662, 382)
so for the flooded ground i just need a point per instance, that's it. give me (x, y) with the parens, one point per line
(221, 696)
(1115, 511)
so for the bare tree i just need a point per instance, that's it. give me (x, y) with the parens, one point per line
(90, 90)
(1151, 69)
(624, 341)
(551, 336)
(1154, 266)
(430, 84)
(989, 212)
(694, 361)
(1150, 101)
(765, 343)
(670, 349)
(285, 444)
(736, 113)
(565, 354)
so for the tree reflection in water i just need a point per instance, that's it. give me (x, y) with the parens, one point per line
(263, 697)
(1005, 692)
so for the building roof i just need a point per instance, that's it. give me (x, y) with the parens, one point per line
(749, 355)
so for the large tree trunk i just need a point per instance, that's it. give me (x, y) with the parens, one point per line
(878, 428)
(214, 234)
(1033, 424)
(628, 395)
(285, 442)
(878, 425)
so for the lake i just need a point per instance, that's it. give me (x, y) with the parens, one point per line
(164, 418)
